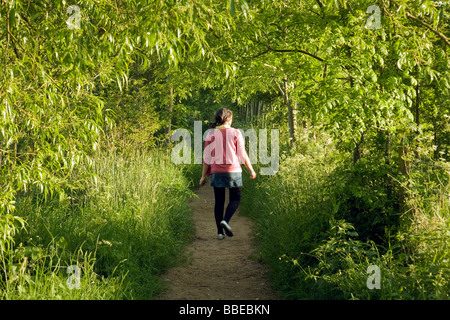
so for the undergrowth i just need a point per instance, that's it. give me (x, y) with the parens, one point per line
(124, 228)
(324, 223)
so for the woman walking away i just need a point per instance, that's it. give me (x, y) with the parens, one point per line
(223, 155)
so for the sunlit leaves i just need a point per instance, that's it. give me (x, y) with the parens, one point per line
(51, 116)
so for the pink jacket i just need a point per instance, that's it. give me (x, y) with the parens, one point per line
(224, 150)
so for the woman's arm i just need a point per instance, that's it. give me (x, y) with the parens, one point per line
(204, 171)
(242, 154)
(248, 165)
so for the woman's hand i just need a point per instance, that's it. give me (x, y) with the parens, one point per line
(252, 175)
(204, 174)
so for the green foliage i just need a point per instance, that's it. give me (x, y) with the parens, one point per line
(322, 222)
(292, 211)
(38, 273)
(130, 72)
(343, 262)
(123, 229)
(365, 197)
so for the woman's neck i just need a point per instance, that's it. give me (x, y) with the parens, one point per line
(223, 126)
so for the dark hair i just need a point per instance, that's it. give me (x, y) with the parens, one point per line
(222, 115)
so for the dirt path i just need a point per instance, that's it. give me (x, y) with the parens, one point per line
(218, 269)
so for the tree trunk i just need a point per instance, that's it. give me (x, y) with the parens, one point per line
(387, 161)
(356, 153)
(291, 116)
(356, 150)
(417, 109)
(263, 119)
(169, 111)
(294, 120)
(403, 153)
(246, 112)
(435, 139)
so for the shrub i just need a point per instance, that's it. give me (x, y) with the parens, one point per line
(124, 228)
(322, 222)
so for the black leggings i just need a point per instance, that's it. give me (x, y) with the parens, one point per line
(219, 195)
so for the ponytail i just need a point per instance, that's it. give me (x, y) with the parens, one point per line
(222, 115)
(212, 125)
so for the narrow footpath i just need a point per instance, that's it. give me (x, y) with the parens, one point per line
(218, 269)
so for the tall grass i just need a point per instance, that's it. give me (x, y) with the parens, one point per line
(123, 229)
(322, 221)
(292, 211)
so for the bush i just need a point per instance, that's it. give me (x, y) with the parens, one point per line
(123, 229)
(323, 221)
(292, 211)
(364, 196)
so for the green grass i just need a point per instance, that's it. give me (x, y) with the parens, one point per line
(292, 211)
(321, 222)
(125, 228)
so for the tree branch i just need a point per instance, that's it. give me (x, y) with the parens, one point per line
(423, 23)
(256, 55)
(296, 50)
(319, 3)
(269, 48)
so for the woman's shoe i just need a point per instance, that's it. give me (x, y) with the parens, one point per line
(220, 236)
(228, 230)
